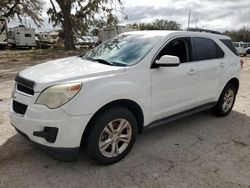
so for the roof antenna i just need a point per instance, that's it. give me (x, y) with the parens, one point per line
(189, 15)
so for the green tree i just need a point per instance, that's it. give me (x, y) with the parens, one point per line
(160, 25)
(242, 34)
(75, 16)
(30, 8)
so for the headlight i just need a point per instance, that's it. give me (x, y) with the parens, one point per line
(56, 96)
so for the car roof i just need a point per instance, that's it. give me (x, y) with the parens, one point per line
(185, 33)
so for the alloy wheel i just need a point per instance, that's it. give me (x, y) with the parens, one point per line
(228, 100)
(115, 138)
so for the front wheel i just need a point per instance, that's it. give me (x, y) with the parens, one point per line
(226, 101)
(112, 135)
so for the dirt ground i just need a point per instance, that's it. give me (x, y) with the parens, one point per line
(198, 151)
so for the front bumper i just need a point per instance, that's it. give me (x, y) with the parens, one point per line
(62, 154)
(38, 117)
(53, 130)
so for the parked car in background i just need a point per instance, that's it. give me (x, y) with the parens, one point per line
(248, 50)
(241, 47)
(136, 80)
(86, 42)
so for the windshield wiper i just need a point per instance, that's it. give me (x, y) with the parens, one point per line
(88, 58)
(103, 61)
(120, 64)
(106, 62)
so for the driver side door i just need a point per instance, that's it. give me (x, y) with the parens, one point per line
(174, 88)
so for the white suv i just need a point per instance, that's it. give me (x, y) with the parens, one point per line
(138, 79)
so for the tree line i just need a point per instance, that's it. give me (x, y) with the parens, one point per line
(158, 24)
(78, 16)
(242, 34)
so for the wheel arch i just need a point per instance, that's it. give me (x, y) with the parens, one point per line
(131, 105)
(235, 82)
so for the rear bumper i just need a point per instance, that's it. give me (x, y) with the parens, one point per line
(62, 154)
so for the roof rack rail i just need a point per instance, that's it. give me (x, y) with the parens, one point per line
(204, 30)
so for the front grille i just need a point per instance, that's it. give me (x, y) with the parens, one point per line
(19, 108)
(25, 89)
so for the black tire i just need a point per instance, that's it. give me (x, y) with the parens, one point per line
(95, 133)
(219, 110)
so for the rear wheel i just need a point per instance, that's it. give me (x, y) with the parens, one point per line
(226, 101)
(112, 135)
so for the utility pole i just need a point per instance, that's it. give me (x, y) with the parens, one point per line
(196, 23)
(189, 15)
(25, 21)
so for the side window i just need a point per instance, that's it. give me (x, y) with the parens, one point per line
(220, 53)
(228, 43)
(27, 35)
(206, 49)
(177, 47)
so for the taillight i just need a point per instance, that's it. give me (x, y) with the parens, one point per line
(241, 63)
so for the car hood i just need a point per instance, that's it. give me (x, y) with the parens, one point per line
(67, 69)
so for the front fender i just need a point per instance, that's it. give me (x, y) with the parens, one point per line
(97, 92)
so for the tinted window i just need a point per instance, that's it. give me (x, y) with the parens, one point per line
(220, 53)
(205, 49)
(27, 35)
(230, 45)
(177, 47)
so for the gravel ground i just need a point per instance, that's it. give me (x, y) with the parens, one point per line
(198, 151)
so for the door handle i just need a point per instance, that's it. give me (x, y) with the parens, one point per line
(222, 64)
(192, 72)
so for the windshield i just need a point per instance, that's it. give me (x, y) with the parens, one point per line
(124, 49)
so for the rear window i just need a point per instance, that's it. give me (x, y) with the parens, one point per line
(228, 43)
(206, 49)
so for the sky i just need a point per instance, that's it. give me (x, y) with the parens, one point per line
(218, 15)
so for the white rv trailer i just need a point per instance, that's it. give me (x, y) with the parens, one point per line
(3, 32)
(110, 32)
(48, 37)
(21, 36)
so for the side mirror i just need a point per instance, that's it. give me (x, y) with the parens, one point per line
(168, 61)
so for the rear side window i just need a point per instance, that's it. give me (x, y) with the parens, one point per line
(230, 45)
(205, 49)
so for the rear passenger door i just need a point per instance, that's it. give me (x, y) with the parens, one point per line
(209, 58)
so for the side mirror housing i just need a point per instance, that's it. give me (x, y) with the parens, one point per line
(168, 61)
